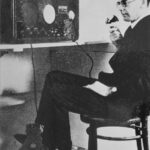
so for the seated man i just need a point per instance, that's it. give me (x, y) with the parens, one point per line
(124, 89)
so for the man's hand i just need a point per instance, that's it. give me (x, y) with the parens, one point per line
(115, 33)
(101, 89)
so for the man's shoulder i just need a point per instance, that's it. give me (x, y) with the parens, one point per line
(145, 22)
(142, 29)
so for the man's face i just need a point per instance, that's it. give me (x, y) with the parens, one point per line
(130, 9)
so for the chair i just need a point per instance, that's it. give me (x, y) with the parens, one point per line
(139, 123)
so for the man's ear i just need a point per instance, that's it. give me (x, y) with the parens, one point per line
(148, 3)
(144, 3)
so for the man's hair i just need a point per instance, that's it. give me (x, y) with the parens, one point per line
(148, 2)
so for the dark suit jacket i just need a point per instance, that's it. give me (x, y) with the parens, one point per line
(131, 63)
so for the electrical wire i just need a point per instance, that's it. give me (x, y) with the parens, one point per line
(34, 79)
(34, 73)
(90, 57)
(83, 50)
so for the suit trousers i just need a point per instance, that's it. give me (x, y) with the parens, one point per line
(64, 92)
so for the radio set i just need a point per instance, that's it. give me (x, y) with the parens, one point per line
(26, 21)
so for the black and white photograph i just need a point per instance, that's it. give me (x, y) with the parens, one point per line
(74, 74)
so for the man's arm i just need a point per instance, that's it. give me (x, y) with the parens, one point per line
(115, 35)
(107, 81)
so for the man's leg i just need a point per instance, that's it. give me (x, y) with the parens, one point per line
(64, 92)
(58, 77)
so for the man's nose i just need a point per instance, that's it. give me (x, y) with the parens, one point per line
(121, 9)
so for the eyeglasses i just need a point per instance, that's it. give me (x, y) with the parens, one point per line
(124, 3)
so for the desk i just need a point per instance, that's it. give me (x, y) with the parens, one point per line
(20, 47)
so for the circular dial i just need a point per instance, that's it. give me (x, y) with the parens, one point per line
(49, 14)
(71, 15)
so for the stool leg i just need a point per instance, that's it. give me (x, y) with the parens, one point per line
(145, 133)
(92, 143)
(139, 143)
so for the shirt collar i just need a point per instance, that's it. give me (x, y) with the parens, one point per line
(135, 22)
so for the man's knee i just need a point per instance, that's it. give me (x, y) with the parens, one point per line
(53, 74)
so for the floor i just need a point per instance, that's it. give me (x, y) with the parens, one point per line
(116, 145)
(113, 145)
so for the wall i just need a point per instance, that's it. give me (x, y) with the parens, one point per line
(13, 119)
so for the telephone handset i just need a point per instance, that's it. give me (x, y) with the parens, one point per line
(112, 19)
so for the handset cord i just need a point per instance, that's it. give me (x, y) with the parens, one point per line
(34, 79)
(34, 74)
(90, 57)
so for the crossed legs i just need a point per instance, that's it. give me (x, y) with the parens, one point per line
(64, 92)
